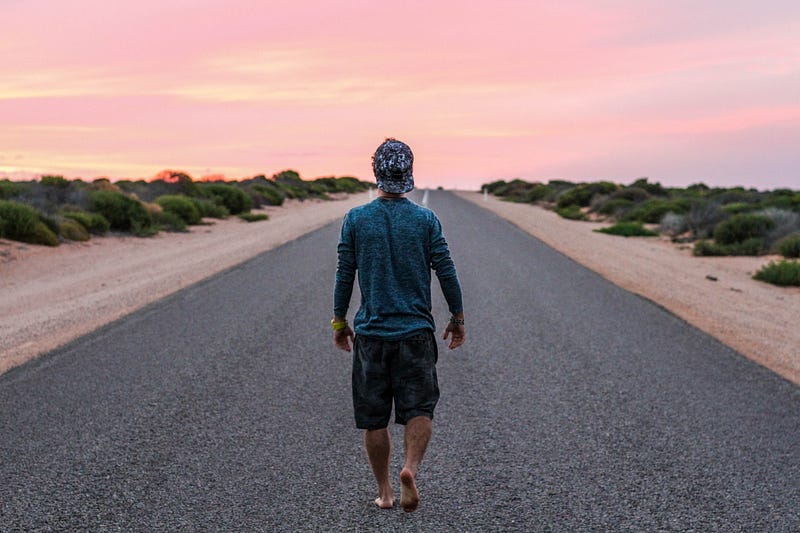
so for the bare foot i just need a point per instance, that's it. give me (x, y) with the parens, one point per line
(384, 503)
(409, 497)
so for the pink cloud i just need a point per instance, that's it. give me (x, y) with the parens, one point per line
(480, 89)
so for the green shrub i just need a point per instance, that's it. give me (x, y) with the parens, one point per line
(22, 223)
(94, 222)
(572, 212)
(539, 192)
(789, 246)
(736, 208)
(73, 230)
(58, 182)
(614, 206)
(253, 217)
(742, 227)
(581, 195)
(654, 189)
(351, 185)
(748, 247)
(492, 187)
(181, 206)
(674, 224)
(122, 212)
(170, 221)
(233, 198)
(210, 209)
(703, 217)
(653, 210)
(318, 191)
(784, 273)
(632, 194)
(628, 229)
(8, 189)
(270, 194)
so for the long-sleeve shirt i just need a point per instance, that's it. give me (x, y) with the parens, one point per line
(393, 244)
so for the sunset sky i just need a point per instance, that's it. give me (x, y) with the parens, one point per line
(679, 91)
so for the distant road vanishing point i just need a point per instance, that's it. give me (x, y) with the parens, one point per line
(574, 406)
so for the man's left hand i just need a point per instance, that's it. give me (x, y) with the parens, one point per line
(343, 337)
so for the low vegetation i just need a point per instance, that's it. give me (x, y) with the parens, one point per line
(254, 217)
(716, 221)
(54, 209)
(784, 273)
(628, 229)
(719, 221)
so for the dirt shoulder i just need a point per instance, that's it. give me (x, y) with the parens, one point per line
(715, 294)
(50, 296)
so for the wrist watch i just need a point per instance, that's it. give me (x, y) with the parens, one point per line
(338, 325)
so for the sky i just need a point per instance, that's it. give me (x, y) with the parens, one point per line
(679, 92)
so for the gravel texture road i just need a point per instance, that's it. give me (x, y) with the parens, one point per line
(574, 406)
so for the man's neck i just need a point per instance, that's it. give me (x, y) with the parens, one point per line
(384, 194)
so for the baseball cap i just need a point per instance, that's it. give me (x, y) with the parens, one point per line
(393, 165)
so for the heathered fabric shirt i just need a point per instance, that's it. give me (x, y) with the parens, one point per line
(393, 244)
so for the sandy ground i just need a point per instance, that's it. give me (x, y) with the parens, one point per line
(50, 296)
(759, 320)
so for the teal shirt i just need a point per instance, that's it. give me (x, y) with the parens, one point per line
(393, 244)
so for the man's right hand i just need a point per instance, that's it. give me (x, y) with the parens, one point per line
(457, 334)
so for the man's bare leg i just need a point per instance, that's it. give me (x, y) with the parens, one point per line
(417, 435)
(379, 449)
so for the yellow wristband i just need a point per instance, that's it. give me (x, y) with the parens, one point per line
(338, 325)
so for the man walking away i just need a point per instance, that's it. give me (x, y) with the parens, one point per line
(393, 244)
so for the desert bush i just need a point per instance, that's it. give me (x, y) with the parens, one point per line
(515, 191)
(653, 210)
(20, 222)
(784, 273)
(73, 230)
(8, 189)
(572, 212)
(737, 208)
(538, 193)
(271, 195)
(181, 206)
(253, 217)
(234, 199)
(782, 199)
(170, 221)
(613, 206)
(93, 222)
(674, 224)
(581, 195)
(122, 212)
(628, 229)
(210, 209)
(654, 188)
(703, 217)
(742, 227)
(789, 246)
(349, 184)
(318, 191)
(752, 246)
(493, 186)
(786, 222)
(632, 194)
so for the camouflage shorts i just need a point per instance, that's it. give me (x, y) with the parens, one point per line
(403, 371)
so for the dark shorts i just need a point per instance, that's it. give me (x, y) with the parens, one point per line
(403, 371)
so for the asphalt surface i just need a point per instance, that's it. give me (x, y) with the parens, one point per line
(574, 406)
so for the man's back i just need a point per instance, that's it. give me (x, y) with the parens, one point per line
(392, 243)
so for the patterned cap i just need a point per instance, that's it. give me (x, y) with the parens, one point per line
(393, 165)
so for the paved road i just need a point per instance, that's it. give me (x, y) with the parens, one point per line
(574, 406)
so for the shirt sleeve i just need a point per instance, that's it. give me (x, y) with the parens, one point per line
(345, 270)
(445, 269)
